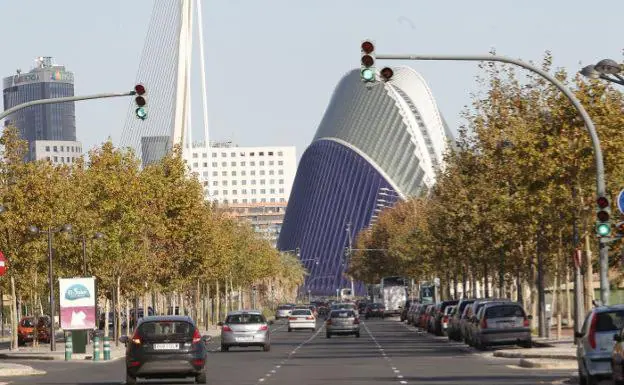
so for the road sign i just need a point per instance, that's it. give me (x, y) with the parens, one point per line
(436, 281)
(3, 264)
(620, 201)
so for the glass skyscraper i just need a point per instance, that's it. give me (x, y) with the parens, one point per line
(48, 122)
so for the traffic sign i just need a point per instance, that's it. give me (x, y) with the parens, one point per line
(3, 264)
(620, 201)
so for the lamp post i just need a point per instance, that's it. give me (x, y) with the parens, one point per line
(589, 125)
(606, 69)
(83, 239)
(50, 231)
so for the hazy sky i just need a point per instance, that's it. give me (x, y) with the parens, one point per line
(273, 64)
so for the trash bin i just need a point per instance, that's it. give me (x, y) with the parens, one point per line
(79, 341)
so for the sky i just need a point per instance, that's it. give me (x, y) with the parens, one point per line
(272, 65)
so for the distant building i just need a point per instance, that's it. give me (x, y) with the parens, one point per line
(49, 122)
(56, 151)
(265, 218)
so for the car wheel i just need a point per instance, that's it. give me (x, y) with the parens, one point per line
(130, 380)
(357, 335)
(582, 378)
(289, 330)
(527, 344)
(327, 335)
(225, 348)
(201, 378)
(266, 347)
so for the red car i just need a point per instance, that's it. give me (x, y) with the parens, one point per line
(26, 330)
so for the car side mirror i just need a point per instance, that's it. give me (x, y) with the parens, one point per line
(123, 339)
(578, 335)
(206, 339)
(219, 323)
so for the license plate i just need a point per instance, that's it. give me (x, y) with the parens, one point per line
(244, 339)
(166, 346)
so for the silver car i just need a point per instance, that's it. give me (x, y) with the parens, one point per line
(245, 328)
(344, 321)
(283, 311)
(502, 324)
(595, 342)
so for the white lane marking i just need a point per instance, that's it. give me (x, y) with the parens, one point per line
(386, 357)
(403, 382)
(262, 379)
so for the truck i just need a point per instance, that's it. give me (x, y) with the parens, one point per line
(393, 299)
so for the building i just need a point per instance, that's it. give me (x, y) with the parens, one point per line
(53, 123)
(154, 148)
(243, 175)
(56, 151)
(375, 145)
(265, 218)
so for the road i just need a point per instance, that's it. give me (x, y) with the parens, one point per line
(387, 352)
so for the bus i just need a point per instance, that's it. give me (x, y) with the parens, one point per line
(392, 294)
(346, 294)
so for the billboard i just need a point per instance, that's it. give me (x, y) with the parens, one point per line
(77, 303)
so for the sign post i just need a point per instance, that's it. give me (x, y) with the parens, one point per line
(77, 304)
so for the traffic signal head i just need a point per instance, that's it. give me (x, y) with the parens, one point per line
(367, 62)
(387, 73)
(603, 216)
(140, 101)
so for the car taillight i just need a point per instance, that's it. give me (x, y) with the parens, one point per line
(445, 319)
(226, 328)
(264, 327)
(292, 318)
(357, 321)
(483, 323)
(136, 339)
(592, 332)
(198, 362)
(196, 336)
(309, 318)
(526, 322)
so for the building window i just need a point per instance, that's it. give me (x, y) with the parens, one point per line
(272, 181)
(195, 165)
(215, 164)
(205, 183)
(205, 174)
(271, 163)
(47, 157)
(252, 163)
(281, 191)
(261, 154)
(194, 155)
(270, 153)
(223, 154)
(282, 200)
(233, 173)
(280, 172)
(205, 164)
(251, 154)
(56, 159)
(224, 183)
(243, 182)
(253, 181)
(261, 172)
(48, 148)
(254, 200)
(262, 191)
(281, 181)
(253, 191)
(262, 181)
(214, 173)
(243, 173)
(242, 154)
(280, 153)
(225, 201)
(55, 149)
(224, 173)
(263, 200)
(223, 164)
(214, 154)
(234, 192)
(271, 172)
(261, 163)
(243, 191)
(280, 162)
(233, 154)
(62, 148)
(234, 183)
(272, 200)
(215, 183)
(204, 155)
(225, 192)
(242, 164)
(215, 192)
(252, 172)
(272, 191)
(233, 164)
(245, 200)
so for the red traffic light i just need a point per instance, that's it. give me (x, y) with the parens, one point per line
(140, 101)
(139, 89)
(603, 216)
(602, 202)
(387, 73)
(367, 47)
(367, 61)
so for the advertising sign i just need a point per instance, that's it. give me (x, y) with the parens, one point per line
(77, 303)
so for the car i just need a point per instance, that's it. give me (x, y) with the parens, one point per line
(245, 328)
(405, 309)
(454, 327)
(283, 311)
(595, 343)
(26, 330)
(342, 321)
(438, 316)
(301, 319)
(374, 310)
(502, 323)
(166, 347)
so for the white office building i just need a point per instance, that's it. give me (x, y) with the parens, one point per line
(243, 175)
(56, 151)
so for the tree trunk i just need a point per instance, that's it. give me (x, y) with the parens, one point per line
(218, 301)
(208, 305)
(568, 297)
(106, 317)
(14, 316)
(486, 281)
(588, 278)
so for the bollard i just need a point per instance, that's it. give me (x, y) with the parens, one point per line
(106, 348)
(96, 348)
(68, 347)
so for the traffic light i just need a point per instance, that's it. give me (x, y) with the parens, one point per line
(603, 214)
(367, 70)
(386, 74)
(139, 100)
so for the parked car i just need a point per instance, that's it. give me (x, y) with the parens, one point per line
(406, 308)
(342, 321)
(301, 319)
(595, 344)
(374, 310)
(454, 327)
(412, 313)
(502, 323)
(446, 318)
(26, 330)
(473, 325)
(166, 347)
(468, 323)
(438, 315)
(244, 329)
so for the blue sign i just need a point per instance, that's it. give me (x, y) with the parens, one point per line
(620, 201)
(77, 291)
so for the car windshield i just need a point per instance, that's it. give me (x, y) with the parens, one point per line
(301, 312)
(165, 329)
(504, 311)
(343, 314)
(239, 319)
(28, 322)
(284, 307)
(610, 321)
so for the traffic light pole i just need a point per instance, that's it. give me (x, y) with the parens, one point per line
(598, 159)
(63, 100)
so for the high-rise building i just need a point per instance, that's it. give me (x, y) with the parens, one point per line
(376, 145)
(45, 125)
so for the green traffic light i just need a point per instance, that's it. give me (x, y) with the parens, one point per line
(141, 113)
(603, 229)
(368, 75)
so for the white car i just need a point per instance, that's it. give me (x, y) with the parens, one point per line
(301, 319)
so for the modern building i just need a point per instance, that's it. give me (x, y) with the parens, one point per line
(375, 145)
(265, 218)
(56, 151)
(243, 175)
(48, 122)
(154, 148)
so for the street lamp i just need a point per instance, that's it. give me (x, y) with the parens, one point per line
(604, 69)
(95, 236)
(66, 228)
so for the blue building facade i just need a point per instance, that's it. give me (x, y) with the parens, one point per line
(375, 145)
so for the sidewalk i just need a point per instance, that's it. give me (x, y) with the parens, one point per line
(547, 353)
(7, 370)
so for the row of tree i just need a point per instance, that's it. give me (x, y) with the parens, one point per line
(516, 195)
(159, 234)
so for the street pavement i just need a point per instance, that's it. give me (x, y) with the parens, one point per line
(388, 352)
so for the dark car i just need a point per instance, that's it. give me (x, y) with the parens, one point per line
(439, 315)
(362, 307)
(375, 310)
(166, 347)
(405, 309)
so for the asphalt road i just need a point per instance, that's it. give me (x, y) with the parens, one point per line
(387, 352)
